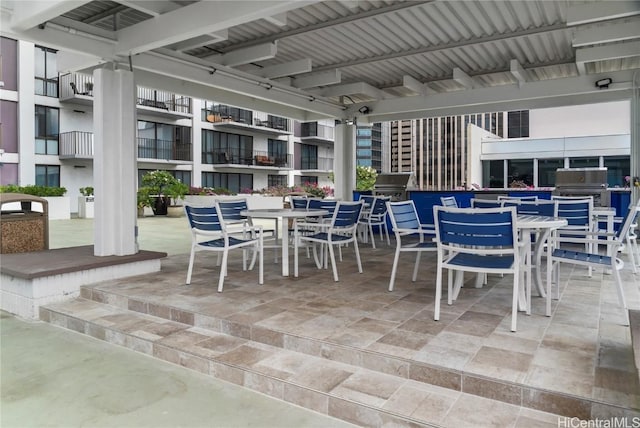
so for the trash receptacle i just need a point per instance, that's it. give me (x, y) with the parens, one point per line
(24, 223)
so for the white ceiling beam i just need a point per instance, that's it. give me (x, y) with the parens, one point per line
(187, 68)
(605, 53)
(463, 78)
(150, 7)
(362, 88)
(30, 14)
(279, 20)
(198, 18)
(416, 86)
(349, 4)
(287, 69)
(518, 72)
(196, 42)
(601, 11)
(606, 33)
(325, 78)
(246, 55)
(565, 91)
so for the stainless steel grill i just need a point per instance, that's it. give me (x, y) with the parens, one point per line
(393, 185)
(584, 182)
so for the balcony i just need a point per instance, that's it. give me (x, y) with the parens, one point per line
(315, 133)
(76, 145)
(149, 148)
(163, 104)
(317, 164)
(253, 159)
(77, 88)
(234, 119)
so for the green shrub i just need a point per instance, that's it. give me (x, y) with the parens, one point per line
(86, 191)
(34, 190)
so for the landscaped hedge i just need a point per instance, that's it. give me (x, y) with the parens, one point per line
(41, 191)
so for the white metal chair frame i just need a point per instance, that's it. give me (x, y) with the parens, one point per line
(376, 216)
(481, 241)
(449, 201)
(410, 234)
(560, 254)
(210, 233)
(341, 230)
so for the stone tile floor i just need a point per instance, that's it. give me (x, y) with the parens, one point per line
(578, 362)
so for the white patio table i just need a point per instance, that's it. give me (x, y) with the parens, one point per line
(280, 215)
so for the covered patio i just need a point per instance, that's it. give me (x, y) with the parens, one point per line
(355, 351)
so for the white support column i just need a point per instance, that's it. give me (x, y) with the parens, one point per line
(26, 114)
(344, 161)
(196, 140)
(635, 135)
(115, 162)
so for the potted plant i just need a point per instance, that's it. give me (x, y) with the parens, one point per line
(176, 191)
(158, 182)
(144, 200)
(85, 202)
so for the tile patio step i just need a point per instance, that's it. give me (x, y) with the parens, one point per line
(349, 392)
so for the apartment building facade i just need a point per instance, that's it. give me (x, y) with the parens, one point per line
(47, 139)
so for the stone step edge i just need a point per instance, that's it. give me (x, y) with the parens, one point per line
(556, 402)
(331, 405)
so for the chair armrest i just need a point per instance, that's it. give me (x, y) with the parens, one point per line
(569, 240)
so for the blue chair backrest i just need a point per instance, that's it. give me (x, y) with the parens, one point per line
(230, 210)
(577, 212)
(545, 208)
(404, 215)
(323, 204)
(449, 201)
(485, 203)
(203, 218)
(299, 203)
(368, 200)
(379, 207)
(517, 198)
(490, 228)
(347, 214)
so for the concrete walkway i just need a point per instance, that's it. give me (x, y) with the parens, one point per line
(57, 378)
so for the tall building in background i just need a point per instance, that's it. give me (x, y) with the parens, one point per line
(369, 146)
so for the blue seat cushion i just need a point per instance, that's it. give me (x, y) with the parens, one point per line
(323, 236)
(582, 257)
(219, 243)
(476, 261)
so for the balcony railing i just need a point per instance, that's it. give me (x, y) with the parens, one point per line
(74, 84)
(164, 100)
(320, 164)
(224, 113)
(248, 158)
(76, 144)
(316, 130)
(149, 148)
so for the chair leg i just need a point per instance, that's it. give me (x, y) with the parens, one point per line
(191, 260)
(333, 263)
(386, 231)
(514, 302)
(357, 250)
(449, 287)
(223, 270)
(621, 299)
(632, 253)
(415, 266)
(261, 265)
(373, 238)
(436, 310)
(394, 269)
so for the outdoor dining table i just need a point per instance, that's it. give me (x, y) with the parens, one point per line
(280, 215)
(545, 226)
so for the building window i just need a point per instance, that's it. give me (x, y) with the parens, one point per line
(233, 182)
(162, 141)
(223, 148)
(618, 167)
(46, 72)
(308, 179)
(47, 129)
(520, 171)
(592, 162)
(48, 175)
(308, 156)
(277, 180)
(183, 176)
(547, 171)
(518, 124)
(277, 150)
(493, 174)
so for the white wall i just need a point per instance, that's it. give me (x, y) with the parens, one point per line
(581, 120)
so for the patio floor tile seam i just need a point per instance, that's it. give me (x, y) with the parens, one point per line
(456, 380)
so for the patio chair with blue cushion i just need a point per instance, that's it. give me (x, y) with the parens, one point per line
(579, 214)
(411, 235)
(375, 216)
(481, 241)
(564, 251)
(340, 230)
(230, 210)
(449, 201)
(209, 232)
